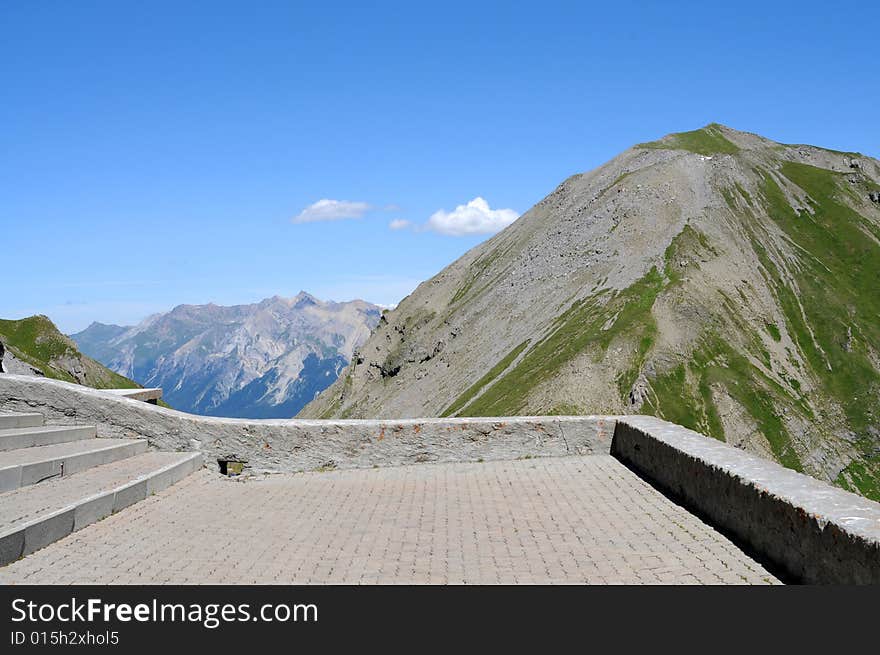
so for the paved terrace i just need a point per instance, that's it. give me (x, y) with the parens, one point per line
(461, 500)
(579, 519)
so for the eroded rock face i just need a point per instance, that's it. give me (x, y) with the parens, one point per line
(690, 252)
(640, 391)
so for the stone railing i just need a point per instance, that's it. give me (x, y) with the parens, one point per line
(302, 445)
(814, 532)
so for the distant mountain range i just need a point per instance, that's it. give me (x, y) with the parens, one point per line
(714, 278)
(265, 360)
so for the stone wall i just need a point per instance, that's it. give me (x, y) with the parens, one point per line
(809, 529)
(813, 531)
(298, 445)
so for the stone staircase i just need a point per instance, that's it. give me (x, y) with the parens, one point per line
(55, 480)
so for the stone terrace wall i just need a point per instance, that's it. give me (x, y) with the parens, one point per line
(297, 445)
(815, 532)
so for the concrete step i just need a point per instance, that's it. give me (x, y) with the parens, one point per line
(35, 516)
(25, 466)
(28, 437)
(9, 420)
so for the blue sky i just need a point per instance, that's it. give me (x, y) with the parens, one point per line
(160, 153)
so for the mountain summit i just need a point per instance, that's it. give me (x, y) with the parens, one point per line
(714, 278)
(264, 360)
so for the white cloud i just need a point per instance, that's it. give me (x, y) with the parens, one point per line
(476, 217)
(399, 224)
(331, 210)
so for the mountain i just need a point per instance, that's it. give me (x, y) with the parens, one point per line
(265, 360)
(714, 278)
(34, 346)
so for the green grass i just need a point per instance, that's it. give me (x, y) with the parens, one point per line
(862, 476)
(675, 398)
(773, 331)
(684, 395)
(727, 194)
(671, 399)
(745, 194)
(479, 268)
(754, 391)
(588, 325)
(36, 336)
(708, 140)
(579, 329)
(620, 178)
(689, 245)
(837, 286)
(493, 373)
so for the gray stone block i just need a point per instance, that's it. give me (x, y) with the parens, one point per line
(173, 473)
(10, 478)
(44, 532)
(38, 471)
(130, 495)
(93, 510)
(164, 479)
(15, 438)
(11, 546)
(20, 420)
(195, 463)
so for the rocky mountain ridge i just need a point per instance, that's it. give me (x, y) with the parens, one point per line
(715, 278)
(262, 360)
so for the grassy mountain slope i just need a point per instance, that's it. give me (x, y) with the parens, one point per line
(714, 278)
(37, 343)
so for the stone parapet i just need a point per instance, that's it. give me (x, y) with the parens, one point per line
(299, 444)
(816, 533)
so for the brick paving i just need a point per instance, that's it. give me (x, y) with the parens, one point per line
(548, 520)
